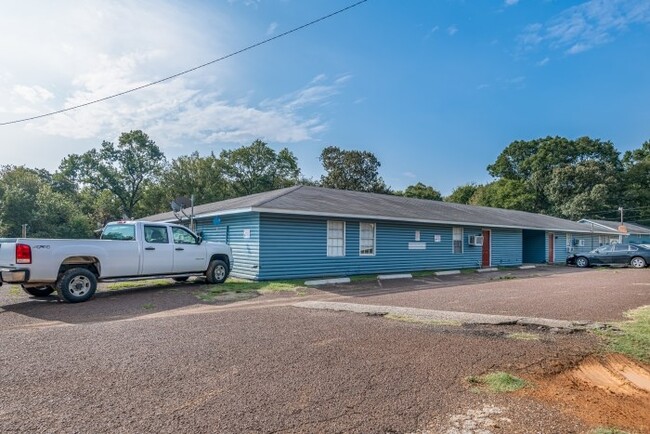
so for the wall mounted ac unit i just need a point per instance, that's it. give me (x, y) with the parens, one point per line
(475, 240)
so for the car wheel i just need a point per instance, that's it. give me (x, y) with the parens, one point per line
(582, 262)
(180, 279)
(38, 291)
(77, 285)
(638, 262)
(217, 271)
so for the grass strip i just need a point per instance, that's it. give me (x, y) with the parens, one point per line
(499, 382)
(632, 337)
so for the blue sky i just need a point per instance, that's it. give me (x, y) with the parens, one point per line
(436, 89)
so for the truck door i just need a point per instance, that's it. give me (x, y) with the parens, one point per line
(158, 251)
(189, 255)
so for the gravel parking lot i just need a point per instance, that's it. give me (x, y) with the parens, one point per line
(159, 360)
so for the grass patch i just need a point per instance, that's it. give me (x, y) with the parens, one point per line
(15, 291)
(416, 320)
(467, 271)
(523, 336)
(632, 337)
(148, 306)
(363, 278)
(497, 382)
(608, 430)
(424, 273)
(116, 286)
(239, 286)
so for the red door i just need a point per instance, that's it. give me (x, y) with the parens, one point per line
(486, 249)
(551, 248)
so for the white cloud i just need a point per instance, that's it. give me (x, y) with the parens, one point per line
(511, 2)
(148, 40)
(543, 62)
(452, 30)
(410, 175)
(585, 26)
(271, 29)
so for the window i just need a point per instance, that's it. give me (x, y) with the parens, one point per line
(367, 239)
(183, 236)
(417, 235)
(457, 240)
(119, 232)
(156, 234)
(335, 238)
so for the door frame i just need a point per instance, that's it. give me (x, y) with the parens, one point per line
(489, 231)
(550, 236)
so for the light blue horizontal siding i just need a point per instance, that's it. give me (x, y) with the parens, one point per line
(559, 247)
(506, 247)
(637, 238)
(296, 247)
(230, 230)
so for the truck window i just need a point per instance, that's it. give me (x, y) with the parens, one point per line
(183, 236)
(156, 234)
(119, 232)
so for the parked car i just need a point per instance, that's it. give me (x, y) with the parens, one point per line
(634, 255)
(127, 250)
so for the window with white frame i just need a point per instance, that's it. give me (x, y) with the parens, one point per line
(335, 238)
(367, 239)
(457, 240)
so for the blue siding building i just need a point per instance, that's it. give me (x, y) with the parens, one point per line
(301, 232)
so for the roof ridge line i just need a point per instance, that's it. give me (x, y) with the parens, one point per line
(290, 190)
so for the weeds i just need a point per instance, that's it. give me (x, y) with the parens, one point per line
(138, 284)
(523, 336)
(497, 382)
(632, 337)
(239, 286)
(416, 320)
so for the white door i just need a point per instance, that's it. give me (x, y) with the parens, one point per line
(189, 255)
(158, 254)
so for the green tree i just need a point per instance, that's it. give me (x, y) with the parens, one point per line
(462, 193)
(420, 191)
(26, 197)
(636, 190)
(504, 193)
(351, 170)
(126, 170)
(533, 163)
(257, 168)
(187, 175)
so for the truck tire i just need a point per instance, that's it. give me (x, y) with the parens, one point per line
(76, 285)
(217, 271)
(38, 291)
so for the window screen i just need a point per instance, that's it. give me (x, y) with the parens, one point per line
(366, 238)
(335, 238)
(458, 240)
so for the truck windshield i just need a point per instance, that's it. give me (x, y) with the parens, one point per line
(119, 232)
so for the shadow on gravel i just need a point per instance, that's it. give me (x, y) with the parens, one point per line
(112, 305)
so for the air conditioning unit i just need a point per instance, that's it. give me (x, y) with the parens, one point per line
(475, 240)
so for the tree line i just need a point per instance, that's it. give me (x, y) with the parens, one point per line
(133, 178)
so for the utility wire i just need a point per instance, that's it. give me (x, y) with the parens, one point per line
(250, 47)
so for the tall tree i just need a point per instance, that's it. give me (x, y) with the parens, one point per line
(27, 197)
(533, 163)
(126, 170)
(462, 193)
(351, 170)
(504, 193)
(420, 191)
(257, 168)
(636, 194)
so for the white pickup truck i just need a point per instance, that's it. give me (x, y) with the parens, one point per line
(126, 250)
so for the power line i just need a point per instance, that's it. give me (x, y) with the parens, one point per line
(234, 53)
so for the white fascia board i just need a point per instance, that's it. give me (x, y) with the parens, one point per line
(225, 212)
(410, 220)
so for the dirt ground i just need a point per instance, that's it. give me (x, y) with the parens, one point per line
(159, 360)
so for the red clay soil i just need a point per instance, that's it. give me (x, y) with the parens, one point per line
(609, 390)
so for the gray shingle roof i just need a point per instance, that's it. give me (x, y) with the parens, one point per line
(305, 200)
(632, 228)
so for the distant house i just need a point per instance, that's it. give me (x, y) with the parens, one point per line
(306, 231)
(628, 233)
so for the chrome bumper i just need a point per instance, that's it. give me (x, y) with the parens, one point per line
(13, 275)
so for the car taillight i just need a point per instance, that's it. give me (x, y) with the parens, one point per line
(23, 254)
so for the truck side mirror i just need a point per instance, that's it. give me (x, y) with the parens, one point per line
(199, 239)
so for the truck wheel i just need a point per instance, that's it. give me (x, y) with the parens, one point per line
(180, 279)
(38, 291)
(77, 285)
(217, 271)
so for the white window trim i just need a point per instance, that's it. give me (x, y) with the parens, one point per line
(374, 239)
(462, 240)
(327, 237)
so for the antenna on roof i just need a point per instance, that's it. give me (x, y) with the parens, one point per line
(178, 206)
